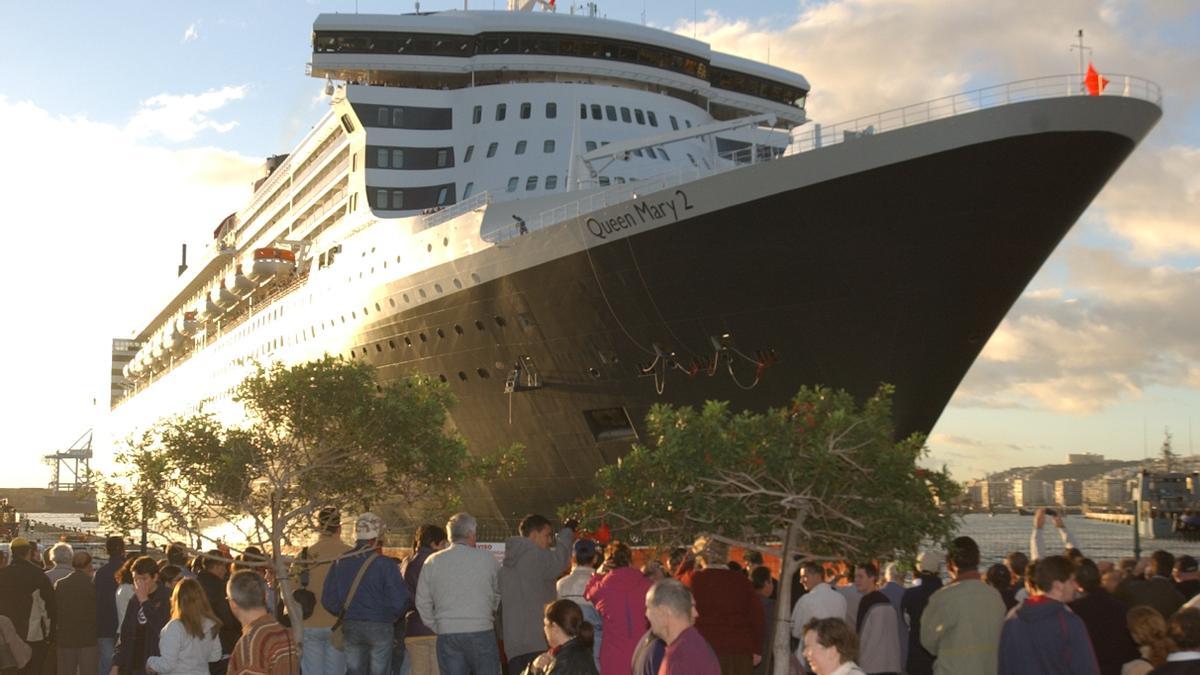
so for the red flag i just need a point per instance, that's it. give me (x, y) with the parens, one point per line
(1093, 81)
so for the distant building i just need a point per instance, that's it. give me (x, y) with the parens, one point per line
(1105, 491)
(974, 490)
(1068, 492)
(1028, 492)
(1084, 458)
(122, 354)
(994, 493)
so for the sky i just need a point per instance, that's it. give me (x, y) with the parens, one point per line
(128, 129)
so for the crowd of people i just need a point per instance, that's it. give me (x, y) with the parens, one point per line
(558, 603)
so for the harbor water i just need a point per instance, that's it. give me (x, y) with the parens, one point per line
(1003, 533)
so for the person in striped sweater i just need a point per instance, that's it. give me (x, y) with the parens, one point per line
(266, 647)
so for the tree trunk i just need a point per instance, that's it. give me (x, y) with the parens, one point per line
(781, 650)
(295, 612)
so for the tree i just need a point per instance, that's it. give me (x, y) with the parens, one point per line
(824, 478)
(317, 434)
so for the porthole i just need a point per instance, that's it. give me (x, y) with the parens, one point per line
(423, 338)
(441, 333)
(457, 283)
(365, 312)
(421, 292)
(391, 302)
(407, 341)
(364, 351)
(397, 259)
(500, 321)
(462, 376)
(353, 315)
(482, 372)
(479, 324)
(378, 347)
(442, 378)
(429, 248)
(594, 373)
(458, 329)
(406, 297)
(378, 308)
(475, 277)
(391, 344)
(437, 287)
(445, 241)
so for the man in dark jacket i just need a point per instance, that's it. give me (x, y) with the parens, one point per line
(149, 610)
(1158, 590)
(532, 563)
(419, 640)
(1043, 637)
(377, 604)
(106, 602)
(1104, 617)
(212, 580)
(19, 581)
(928, 581)
(75, 639)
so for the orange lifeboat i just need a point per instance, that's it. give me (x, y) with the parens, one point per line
(271, 262)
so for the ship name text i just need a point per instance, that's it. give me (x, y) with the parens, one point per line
(641, 213)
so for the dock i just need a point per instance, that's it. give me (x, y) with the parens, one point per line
(1122, 518)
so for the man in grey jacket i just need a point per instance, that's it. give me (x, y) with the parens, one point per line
(457, 596)
(532, 563)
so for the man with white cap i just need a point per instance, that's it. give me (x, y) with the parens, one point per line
(818, 602)
(919, 661)
(367, 594)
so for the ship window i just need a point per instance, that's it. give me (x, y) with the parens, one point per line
(590, 145)
(520, 150)
(467, 155)
(551, 182)
(347, 124)
(501, 111)
(531, 183)
(397, 158)
(693, 159)
(381, 158)
(583, 111)
(384, 116)
(663, 154)
(442, 195)
(652, 117)
(604, 180)
(638, 152)
(398, 117)
(526, 110)
(477, 115)
(397, 199)
(467, 190)
(512, 184)
(443, 157)
(674, 123)
(688, 123)
(492, 149)
(548, 145)
(610, 111)
(551, 110)
(596, 111)
(641, 118)
(381, 199)
(625, 116)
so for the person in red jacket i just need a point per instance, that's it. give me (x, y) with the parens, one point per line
(731, 613)
(618, 592)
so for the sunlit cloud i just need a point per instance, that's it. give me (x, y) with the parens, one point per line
(181, 117)
(190, 34)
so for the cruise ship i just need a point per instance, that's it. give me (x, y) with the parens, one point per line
(568, 219)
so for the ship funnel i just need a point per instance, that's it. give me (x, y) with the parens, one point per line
(183, 262)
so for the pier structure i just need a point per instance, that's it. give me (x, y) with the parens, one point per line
(72, 467)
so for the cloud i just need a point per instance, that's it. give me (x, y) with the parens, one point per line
(190, 34)
(179, 118)
(103, 212)
(1129, 327)
(1155, 204)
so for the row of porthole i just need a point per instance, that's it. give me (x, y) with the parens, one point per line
(500, 322)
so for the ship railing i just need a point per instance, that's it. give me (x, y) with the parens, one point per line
(818, 136)
(1053, 86)
(475, 203)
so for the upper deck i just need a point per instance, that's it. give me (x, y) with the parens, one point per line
(469, 48)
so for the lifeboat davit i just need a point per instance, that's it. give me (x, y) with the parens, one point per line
(206, 309)
(156, 349)
(187, 325)
(272, 262)
(223, 297)
(170, 339)
(239, 283)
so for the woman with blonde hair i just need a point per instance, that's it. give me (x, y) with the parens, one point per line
(189, 642)
(1149, 631)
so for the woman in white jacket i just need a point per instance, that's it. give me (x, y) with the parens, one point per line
(189, 642)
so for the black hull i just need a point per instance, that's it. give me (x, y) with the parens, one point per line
(899, 274)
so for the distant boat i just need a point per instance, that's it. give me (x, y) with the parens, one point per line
(89, 518)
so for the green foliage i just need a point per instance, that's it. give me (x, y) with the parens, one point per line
(824, 464)
(314, 434)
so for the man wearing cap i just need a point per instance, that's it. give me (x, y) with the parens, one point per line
(20, 581)
(380, 599)
(919, 661)
(1187, 576)
(319, 655)
(818, 602)
(572, 587)
(533, 561)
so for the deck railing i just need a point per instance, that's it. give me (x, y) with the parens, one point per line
(818, 136)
